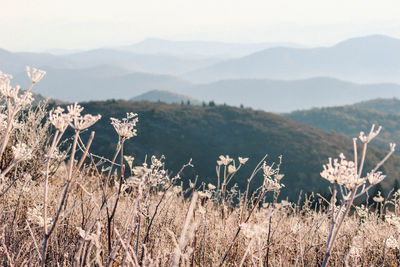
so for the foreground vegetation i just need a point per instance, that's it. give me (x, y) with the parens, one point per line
(63, 207)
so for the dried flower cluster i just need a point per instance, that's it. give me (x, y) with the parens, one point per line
(126, 127)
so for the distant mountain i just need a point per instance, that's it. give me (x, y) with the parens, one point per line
(199, 49)
(163, 64)
(285, 96)
(165, 97)
(99, 83)
(13, 63)
(368, 59)
(134, 62)
(350, 120)
(181, 132)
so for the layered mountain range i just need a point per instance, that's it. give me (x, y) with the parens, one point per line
(273, 77)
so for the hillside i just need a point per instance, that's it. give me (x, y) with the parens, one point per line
(369, 59)
(165, 97)
(289, 95)
(348, 120)
(388, 106)
(181, 132)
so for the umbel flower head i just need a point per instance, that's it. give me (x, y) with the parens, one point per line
(9, 92)
(35, 75)
(224, 160)
(59, 119)
(126, 128)
(342, 172)
(79, 122)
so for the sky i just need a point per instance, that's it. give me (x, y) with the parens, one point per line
(38, 25)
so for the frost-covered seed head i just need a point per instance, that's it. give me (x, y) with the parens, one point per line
(22, 151)
(35, 75)
(371, 135)
(224, 160)
(59, 119)
(342, 172)
(126, 128)
(243, 160)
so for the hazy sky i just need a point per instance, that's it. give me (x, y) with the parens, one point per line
(81, 24)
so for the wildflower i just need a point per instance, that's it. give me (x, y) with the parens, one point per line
(125, 128)
(271, 184)
(81, 123)
(59, 119)
(21, 151)
(224, 160)
(74, 111)
(23, 100)
(268, 170)
(5, 86)
(378, 198)
(231, 169)
(35, 75)
(76, 121)
(372, 134)
(375, 177)
(211, 187)
(342, 172)
(156, 162)
(243, 160)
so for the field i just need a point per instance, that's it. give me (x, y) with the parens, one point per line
(61, 205)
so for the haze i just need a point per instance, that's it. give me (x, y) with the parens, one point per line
(46, 24)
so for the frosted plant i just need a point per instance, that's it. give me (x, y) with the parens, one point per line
(224, 160)
(59, 119)
(152, 176)
(231, 169)
(14, 103)
(226, 170)
(74, 111)
(21, 151)
(347, 175)
(79, 122)
(242, 160)
(272, 178)
(35, 75)
(211, 187)
(84, 122)
(126, 128)
(378, 198)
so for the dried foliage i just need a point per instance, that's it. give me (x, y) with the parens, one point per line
(78, 209)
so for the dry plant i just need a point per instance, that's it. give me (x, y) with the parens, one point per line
(74, 208)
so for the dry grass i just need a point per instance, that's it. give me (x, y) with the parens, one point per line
(56, 211)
